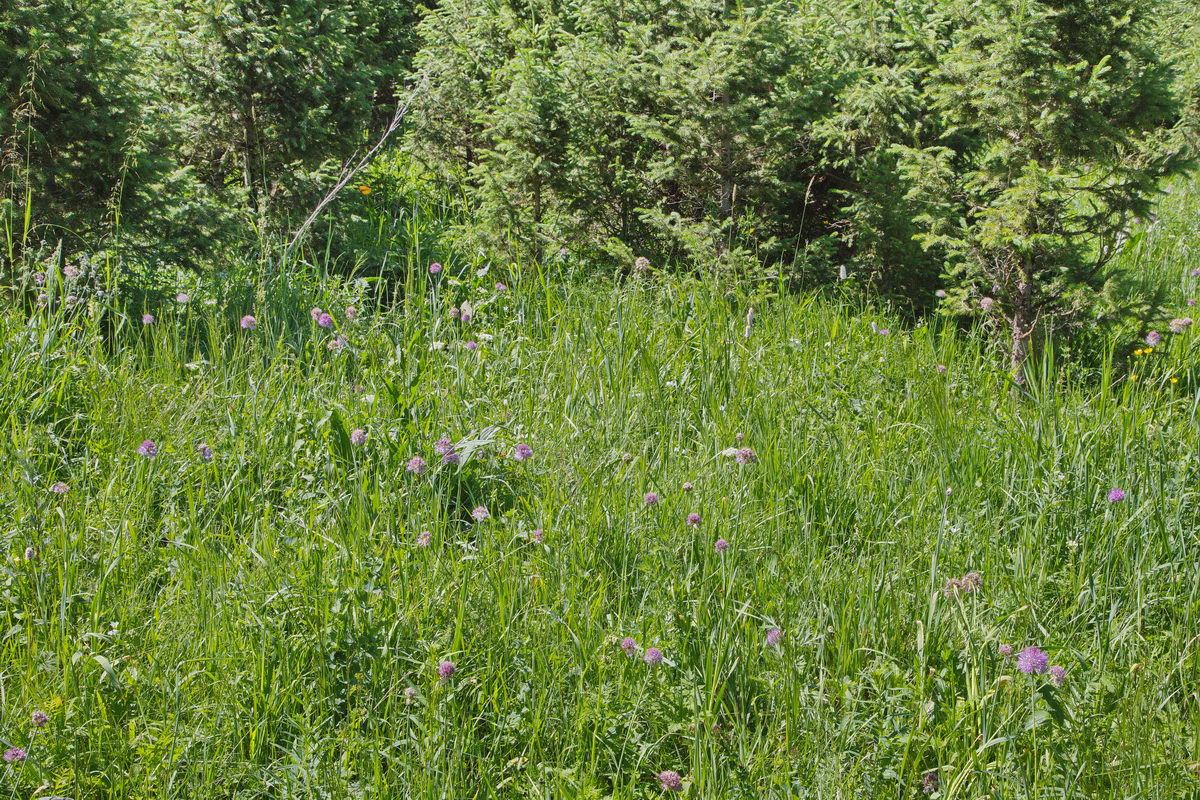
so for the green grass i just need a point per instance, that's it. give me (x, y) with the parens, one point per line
(265, 625)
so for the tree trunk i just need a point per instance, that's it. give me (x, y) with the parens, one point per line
(1022, 322)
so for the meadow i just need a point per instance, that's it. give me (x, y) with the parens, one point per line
(471, 534)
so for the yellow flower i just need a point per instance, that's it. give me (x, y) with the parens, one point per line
(365, 189)
(1137, 352)
(1174, 380)
(1148, 350)
(1133, 377)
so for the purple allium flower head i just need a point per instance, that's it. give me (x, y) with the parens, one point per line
(472, 345)
(148, 448)
(337, 344)
(941, 367)
(39, 278)
(1153, 338)
(249, 323)
(774, 636)
(1181, 324)
(1116, 495)
(500, 287)
(443, 447)
(14, 755)
(721, 546)
(1032, 661)
(651, 499)
(687, 486)
(206, 453)
(71, 271)
(423, 538)
(952, 587)
(147, 319)
(522, 452)
(480, 513)
(435, 268)
(446, 669)
(538, 535)
(986, 303)
(884, 331)
(40, 718)
(1195, 272)
(351, 312)
(693, 519)
(641, 263)
(628, 645)
(325, 320)
(451, 458)
(454, 312)
(653, 655)
(416, 465)
(1006, 650)
(181, 298)
(940, 293)
(930, 783)
(670, 781)
(1059, 674)
(745, 455)
(315, 313)
(410, 695)
(739, 436)
(60, 488)
(1191, 302)
(358, 436)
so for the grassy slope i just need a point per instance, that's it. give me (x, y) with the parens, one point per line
(272, 606)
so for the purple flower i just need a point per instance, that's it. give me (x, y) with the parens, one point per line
(325, 320)
(30, 552)
(40, 718)
(693, 519)
(39, 278)
(1195, 272)
(358, 436)
(1191, 302)
(480, 513)
(1032, 661)
(249, 323)
(522, 452)
(435, 268)
(446, 669)
(500, 287)
(641, 263)
(651, 499)
(206, 454)
(941, 367)
(351, 312)
(670, 781)
(721, 546)
(930, 783)
(60, 488)
(940, 293)
(14, 755)
(181, 298)
(739, 436)
(337, 344)
(1116, 495)
(1006, 650)
(687, 486)
(628, 645)
(451, 458)
(472, 345)
(538, 535)
(423, 538)
(1153, 338)
(443, 446)
(745, 455)
(773, 637)
(71, 271)
(147, 319)
(1181, 324)
(884, 331)
(315, 313)
(986, 303)
(653, 655)
(1059, 674)
(416, 465)
(148, 448)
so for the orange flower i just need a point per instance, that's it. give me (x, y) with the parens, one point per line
(365, 189)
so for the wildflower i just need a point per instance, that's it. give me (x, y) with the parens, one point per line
(443, 447)
(40, 718)
(446, 669)
(337, 344)
(952, 587)
(147, 319)
(884, 331)
(249, 323)
(687, 486)
(745, 455)
(437, 345)
(351, 312)
(653, 655)
(71, 271)
(205, 453)
(423, 538)
(522, 452)
(181, 298)
(986, 303)
(358, 436)
(454, 313)
(739, 436)
(1031, 661)
(641, 263)
(1116, 495)
(930, 783)
(14, 755)
(480, 513)
(973, 580)
(721, 546)
(30, 552)
(451, 458)
(1191, 302)
(39, 278)
(941, 367)
(472, 345)
(538, 535)
(325, 320)
(773, 637)
(415, 465)
(1059, 674)
(500, 287)
(1006, 650)
(1195, 272)
(365, 190)
(1174, 380)
(693, 519)
(627, 457)
(628, 645)
(60, 488)
(148, 448)
(1181, 324)
(435, 268)
(651, 499)
(1153, 338)
(670, 781)
(410, 695)
(315, 313)
(940, 293)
